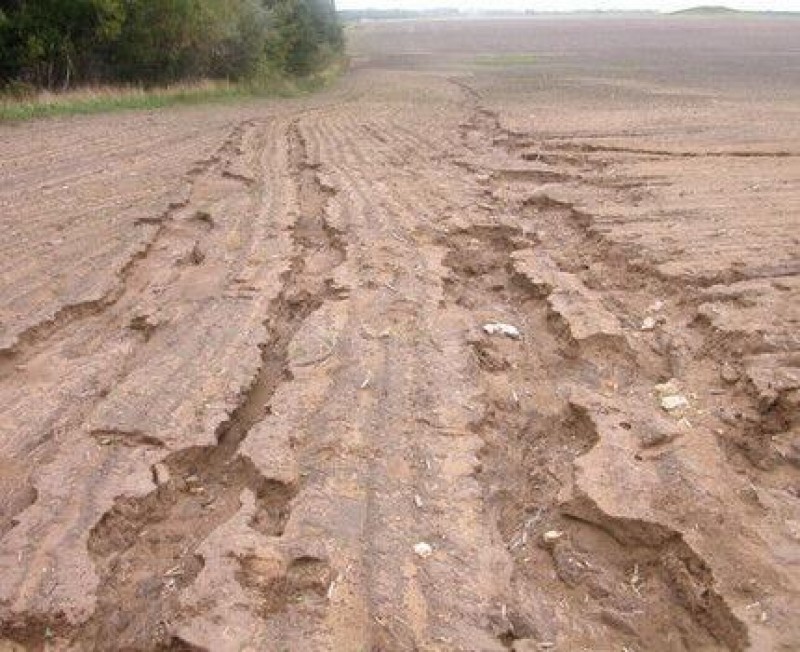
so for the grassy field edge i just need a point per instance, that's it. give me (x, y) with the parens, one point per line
(105, 99)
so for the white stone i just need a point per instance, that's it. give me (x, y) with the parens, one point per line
(498, 328)
(552, 535)
(670, 387)
(674, 402)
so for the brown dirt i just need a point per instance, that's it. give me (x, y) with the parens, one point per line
(243, 370)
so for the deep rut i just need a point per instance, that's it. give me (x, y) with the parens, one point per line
(686, 343)
(145, 549)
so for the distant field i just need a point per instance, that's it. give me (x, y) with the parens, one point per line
(751, 54)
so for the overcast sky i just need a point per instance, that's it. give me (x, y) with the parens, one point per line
(568, 5)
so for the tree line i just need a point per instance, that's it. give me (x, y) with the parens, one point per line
(56, 44)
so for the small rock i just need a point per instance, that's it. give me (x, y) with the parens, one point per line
(729, 374)
(423, 549)
(498, 328)
(551, 536)
(648, 324)
(674, 402)
(670, 387)
(160, 473)
(657, 306)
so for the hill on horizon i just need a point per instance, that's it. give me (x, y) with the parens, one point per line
(707, 10)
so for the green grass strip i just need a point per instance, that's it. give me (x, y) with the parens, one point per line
(106, 99)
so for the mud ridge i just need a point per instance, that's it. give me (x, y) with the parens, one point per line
(607, 267)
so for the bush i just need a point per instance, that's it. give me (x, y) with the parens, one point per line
(56, 43)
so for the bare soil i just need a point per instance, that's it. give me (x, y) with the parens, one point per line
(249, 403)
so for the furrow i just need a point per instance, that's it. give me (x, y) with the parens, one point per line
(35, 338)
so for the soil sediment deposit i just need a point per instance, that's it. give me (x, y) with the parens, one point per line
(491, 346)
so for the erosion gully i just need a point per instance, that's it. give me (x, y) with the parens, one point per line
(143, 541)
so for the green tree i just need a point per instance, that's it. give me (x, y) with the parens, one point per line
(167, 40)
(8, 63)
(51, 42)
(303, 34)
(55, 43)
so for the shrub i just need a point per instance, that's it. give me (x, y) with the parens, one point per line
(56, 43)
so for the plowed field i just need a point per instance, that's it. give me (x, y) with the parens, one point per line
(493, 346)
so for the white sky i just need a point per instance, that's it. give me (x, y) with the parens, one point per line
(568, 5)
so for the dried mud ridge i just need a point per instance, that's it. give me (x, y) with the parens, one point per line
(113, 310)
(641, 578)
(117, 309)
(563, 507)
(608, 267)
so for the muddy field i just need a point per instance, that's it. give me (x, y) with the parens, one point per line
(250, 400)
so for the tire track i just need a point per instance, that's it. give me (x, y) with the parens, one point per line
(419, 466)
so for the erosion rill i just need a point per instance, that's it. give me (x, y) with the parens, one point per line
(141, 542)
